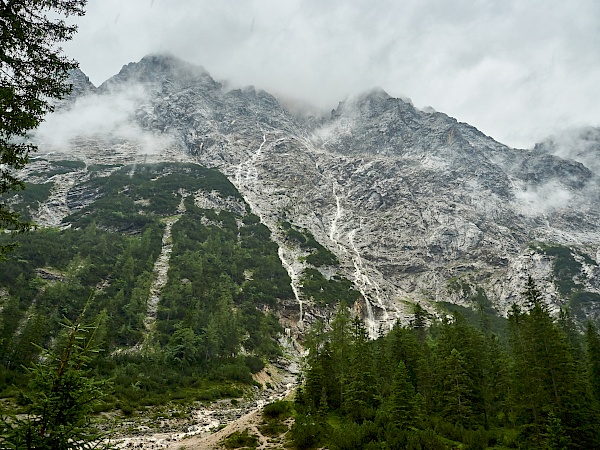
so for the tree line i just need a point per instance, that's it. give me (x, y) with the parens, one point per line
(535, 384)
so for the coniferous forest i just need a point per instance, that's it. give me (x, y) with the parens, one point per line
(532, 382)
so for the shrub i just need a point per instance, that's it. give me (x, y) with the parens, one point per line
(239, 439)
(307, 432)
(273, 428)
(231, 372)
(254, 363)
(279, 409)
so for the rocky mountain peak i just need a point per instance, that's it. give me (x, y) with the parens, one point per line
(372, 99)
(369, 104)
(80, 82)
(377, 122)
(162, 71)
(80, 86)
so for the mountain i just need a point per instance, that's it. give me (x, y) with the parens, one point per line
(81, 84)
(412, 205)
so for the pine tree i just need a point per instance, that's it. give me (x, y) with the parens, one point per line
(458, 388)
(555, 435)
(426, 377)
(495, 383)
(314, 382)
(359, 399)
(183, 348)
(566, 323)
(402, 404)
(457, 334)
(593, 354)
(341, 341)
(407, 347)
(62, 399)
(419, 321)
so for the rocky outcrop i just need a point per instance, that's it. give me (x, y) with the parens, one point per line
(81, 84)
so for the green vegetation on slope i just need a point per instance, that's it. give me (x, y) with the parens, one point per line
(129, 198)
(568, 276)
(319, 255)
(214, 326)
(326, 292)
(314, 285)
(31, 198)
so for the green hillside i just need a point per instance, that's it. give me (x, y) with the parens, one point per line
(214, 325)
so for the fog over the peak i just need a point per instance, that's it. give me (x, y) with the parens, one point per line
(579, 144)
(517, 70)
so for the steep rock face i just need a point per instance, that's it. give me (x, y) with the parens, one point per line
(80, 87)
(81, 84)
(161, 72)
(409, 201)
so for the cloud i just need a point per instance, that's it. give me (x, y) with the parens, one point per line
(581, 144)
(545, 199)
(106, 118)
(516, 70)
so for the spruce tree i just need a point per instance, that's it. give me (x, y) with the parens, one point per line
(61, 401)
(419, 321)
(458, 387)
(458, 335)
(314, 373)
(593, 353)
(359, 399)
(402, 404)
(341, 341)
(547, 381)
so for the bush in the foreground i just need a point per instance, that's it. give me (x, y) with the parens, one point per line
(241, 439)
(62, 400)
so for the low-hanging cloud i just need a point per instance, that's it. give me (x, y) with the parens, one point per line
(580, 144)
(107, 117)
(547, 198)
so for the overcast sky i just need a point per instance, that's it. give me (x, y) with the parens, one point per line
(519, 70)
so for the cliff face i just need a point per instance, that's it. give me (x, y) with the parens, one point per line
(415, 205)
